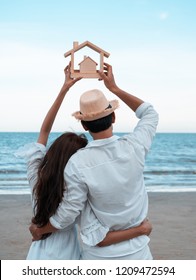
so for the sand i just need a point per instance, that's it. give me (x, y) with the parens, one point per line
(173, 216)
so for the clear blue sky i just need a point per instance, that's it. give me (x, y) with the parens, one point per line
(152, 46)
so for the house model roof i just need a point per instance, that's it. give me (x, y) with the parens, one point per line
(88, 58)
(78, 47)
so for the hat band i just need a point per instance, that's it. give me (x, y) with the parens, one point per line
(109, 106)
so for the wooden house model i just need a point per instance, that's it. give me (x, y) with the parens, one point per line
(87, 67)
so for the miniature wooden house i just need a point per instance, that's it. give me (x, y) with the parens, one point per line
(88, 65)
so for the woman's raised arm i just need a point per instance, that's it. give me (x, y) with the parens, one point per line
(51, 115)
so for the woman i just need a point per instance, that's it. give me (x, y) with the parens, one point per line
(45, 173)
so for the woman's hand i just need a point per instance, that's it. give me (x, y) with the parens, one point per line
(69, 81)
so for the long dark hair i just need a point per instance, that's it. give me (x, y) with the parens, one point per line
(48, 191)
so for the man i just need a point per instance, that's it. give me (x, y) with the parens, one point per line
(108, 172)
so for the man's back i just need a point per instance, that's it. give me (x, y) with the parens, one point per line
(109, 173)
(112, 171)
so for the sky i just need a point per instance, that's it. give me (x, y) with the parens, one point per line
(152, 46)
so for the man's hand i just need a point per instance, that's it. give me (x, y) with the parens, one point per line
(43, 232)
(108, 77)
(34, 230)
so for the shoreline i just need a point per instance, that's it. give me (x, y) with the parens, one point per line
(172, 215)
(149, 191)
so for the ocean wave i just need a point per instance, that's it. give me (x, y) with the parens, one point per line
(19, 178)
(12, 171)
(12, 184)
(171, 190)
(15, 192)
(155, 188)
(156, 172)
(176, 183)
(170, 172)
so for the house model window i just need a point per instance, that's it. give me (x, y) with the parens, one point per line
(87, 67)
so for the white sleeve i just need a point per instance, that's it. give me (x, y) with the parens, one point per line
(91, 230)
(32, 153)
(74, 199)
(146, 127)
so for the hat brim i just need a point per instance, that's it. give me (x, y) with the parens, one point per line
(97, 115)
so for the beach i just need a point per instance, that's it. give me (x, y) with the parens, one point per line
(173, 216)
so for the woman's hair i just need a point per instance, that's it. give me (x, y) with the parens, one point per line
(48, 191)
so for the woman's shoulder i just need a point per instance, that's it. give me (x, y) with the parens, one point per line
(31, 150)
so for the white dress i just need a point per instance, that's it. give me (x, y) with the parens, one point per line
(63, 244)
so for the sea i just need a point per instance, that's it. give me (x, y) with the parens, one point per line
(170, 164)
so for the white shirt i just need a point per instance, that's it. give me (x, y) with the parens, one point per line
(109, 174)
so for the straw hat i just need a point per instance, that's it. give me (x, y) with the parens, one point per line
(94, 105)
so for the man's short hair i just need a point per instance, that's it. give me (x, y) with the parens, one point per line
(99, 124)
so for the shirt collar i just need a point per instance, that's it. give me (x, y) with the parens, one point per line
(102, 142)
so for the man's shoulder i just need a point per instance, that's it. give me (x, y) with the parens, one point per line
(76, 158)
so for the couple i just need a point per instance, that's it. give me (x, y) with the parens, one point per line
(89, 199)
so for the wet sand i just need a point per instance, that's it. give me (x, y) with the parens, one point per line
(173, 216)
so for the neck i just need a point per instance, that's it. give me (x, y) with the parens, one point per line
(102, 134)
